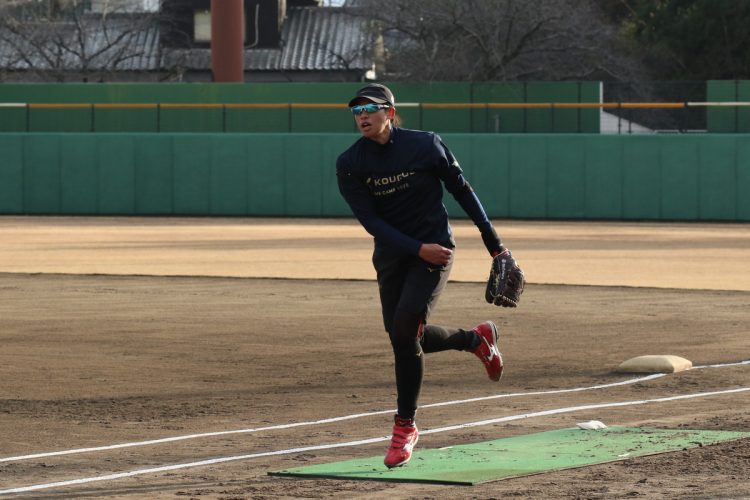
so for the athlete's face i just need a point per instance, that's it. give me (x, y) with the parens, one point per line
(376, 125)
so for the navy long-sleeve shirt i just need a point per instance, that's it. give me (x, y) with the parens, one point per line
(394, 190)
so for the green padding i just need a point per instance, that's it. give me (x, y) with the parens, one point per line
(548, 176)
(519, 455)
(11, 175)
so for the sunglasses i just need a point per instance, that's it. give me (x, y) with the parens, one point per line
(368, 108)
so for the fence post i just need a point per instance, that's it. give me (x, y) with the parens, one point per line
(578, 110)
(525, 109)
(736, 108)
(552, 117)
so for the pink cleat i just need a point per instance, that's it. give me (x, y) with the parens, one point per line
(405, 436)
(487, 351)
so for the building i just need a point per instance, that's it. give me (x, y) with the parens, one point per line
(285, 40)
(128, 41)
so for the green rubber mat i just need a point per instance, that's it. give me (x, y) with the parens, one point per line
(518, 456)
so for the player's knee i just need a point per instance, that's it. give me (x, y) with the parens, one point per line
(405, 334)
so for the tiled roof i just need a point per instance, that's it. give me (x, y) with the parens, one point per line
(313, 38)
(329, 38)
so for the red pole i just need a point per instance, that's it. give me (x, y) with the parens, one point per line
(227, 40)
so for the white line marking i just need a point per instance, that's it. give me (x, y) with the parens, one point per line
(542, 393)
(570, 409)
(315, 422)
(722, 365)
(342, 418)
(213, 461)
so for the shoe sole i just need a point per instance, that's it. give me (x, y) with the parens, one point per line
(495, 333)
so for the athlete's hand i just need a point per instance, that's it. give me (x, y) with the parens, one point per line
(435, 254)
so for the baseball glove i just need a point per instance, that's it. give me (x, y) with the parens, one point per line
(506, 281)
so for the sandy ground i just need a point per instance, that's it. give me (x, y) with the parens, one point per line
(698, 256)
(125, 330)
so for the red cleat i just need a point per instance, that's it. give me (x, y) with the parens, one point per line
(405, 436)
(487, 351)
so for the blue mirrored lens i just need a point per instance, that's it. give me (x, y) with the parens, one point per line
(369, 108)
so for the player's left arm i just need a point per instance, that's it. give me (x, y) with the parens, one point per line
(507, 280)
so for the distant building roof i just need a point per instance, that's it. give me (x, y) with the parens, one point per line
(312, 39)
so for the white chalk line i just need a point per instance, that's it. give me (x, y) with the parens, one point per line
(314, 422)
(214, 461)
(341, 418)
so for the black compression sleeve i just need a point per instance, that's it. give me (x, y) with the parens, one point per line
(491, 240)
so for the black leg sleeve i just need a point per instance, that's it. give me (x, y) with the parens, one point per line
(439, 338)
(409, 360)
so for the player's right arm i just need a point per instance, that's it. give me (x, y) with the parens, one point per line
(354, 190)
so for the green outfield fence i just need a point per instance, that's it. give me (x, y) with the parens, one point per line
(541, 176)
(728, 119)
(289, 107)
(475, 117)
(446, 107)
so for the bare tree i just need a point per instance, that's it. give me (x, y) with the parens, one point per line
(483, 40)
(61, 40)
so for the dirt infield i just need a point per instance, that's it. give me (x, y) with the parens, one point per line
(121, 331)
